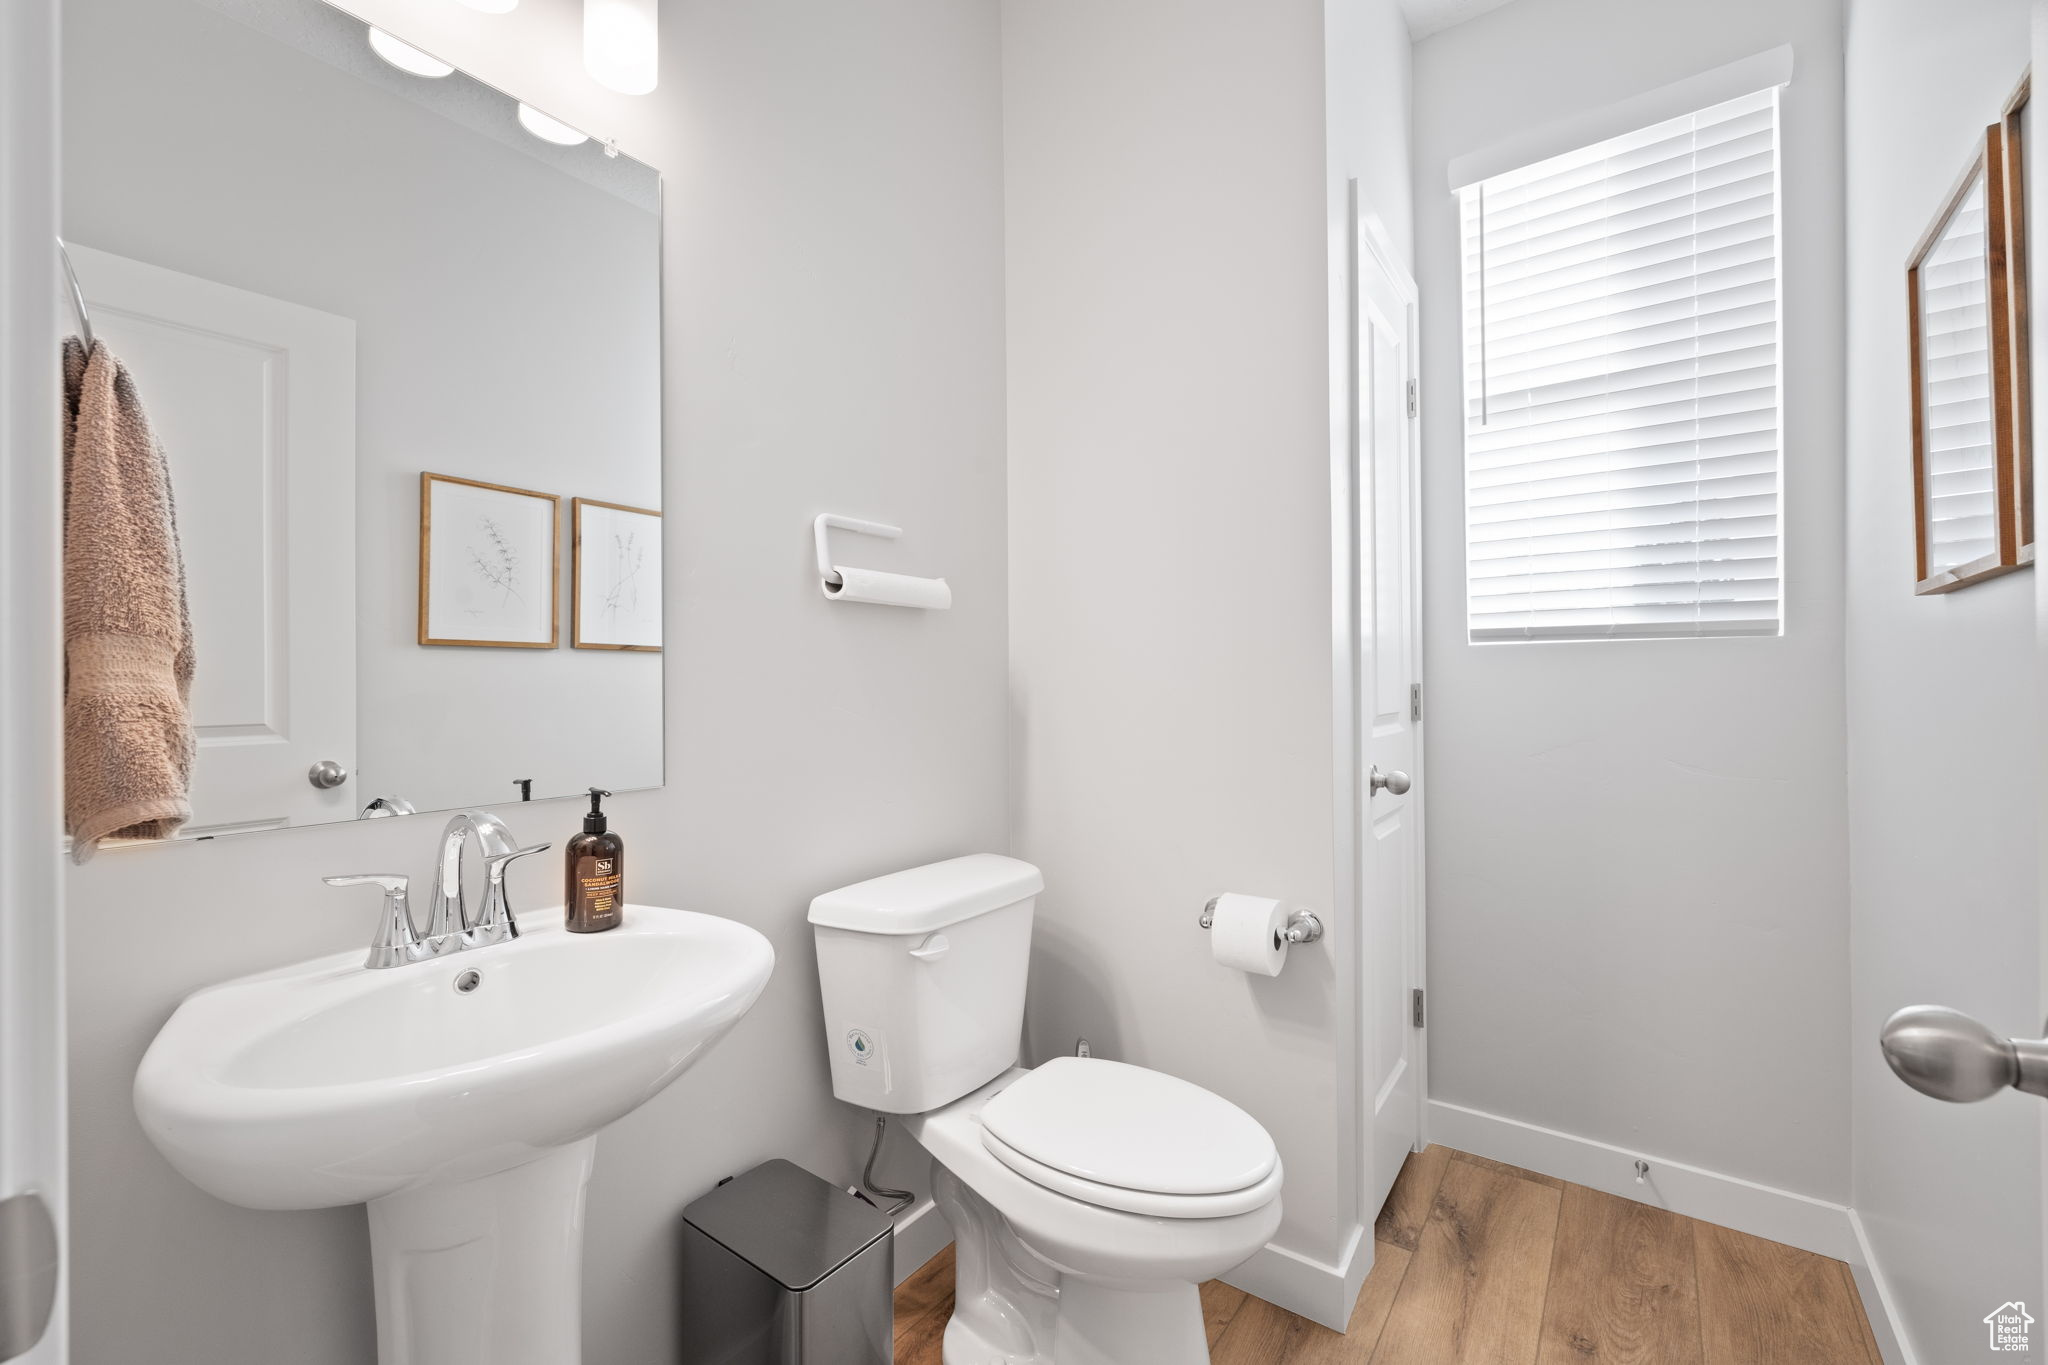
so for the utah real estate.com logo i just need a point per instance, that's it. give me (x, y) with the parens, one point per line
(2007, 1325)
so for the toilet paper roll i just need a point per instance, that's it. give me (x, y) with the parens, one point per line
(1249, 934)
(888, 589)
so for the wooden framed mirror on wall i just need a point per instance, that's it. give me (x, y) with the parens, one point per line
(1966, 296)
(2016, 127)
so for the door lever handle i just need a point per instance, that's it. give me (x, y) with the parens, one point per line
(1947, 1054)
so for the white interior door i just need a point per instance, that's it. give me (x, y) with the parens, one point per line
(32, 1130)
(2037, 286)
(253, 399)
(1389, 723)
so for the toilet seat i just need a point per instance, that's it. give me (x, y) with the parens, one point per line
(1136, 1201)
(1126, 1138)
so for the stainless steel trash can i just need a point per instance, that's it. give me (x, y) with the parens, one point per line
(783, 1268)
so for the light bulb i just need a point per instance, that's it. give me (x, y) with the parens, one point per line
(622, 44)
(549, 129)
(406, 57)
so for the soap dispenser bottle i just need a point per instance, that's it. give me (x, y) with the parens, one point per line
(596, 873)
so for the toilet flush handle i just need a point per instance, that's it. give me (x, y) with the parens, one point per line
(932, 948)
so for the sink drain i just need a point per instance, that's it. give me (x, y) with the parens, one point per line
(468, 981)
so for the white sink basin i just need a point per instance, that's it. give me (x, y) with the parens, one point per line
(463, 1117)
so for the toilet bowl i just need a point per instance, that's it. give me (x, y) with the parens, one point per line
(1059, 1271)
(1088, 1198)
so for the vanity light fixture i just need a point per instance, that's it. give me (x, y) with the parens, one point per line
(406, 57)
(621, 44)
(549, 129)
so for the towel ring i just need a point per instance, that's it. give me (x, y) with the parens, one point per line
(77, 295)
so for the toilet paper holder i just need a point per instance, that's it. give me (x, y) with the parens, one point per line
(1302, 926)
(865, 585)
(829, 520)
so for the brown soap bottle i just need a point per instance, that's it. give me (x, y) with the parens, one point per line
(596, 860)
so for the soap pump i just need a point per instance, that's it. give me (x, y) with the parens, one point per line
(594, 897)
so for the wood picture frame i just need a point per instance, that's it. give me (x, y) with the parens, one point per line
(481, 556)
(1967, 530)
(616, 600)
(2016, 124)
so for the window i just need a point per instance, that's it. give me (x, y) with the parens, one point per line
(1621, 382)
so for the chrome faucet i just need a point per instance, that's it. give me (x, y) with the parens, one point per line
(447, 916)
(494, 923)
(397, 941)
(449, 927)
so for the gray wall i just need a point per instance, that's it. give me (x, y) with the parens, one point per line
(1943, 721)
(506, 317)
(834, 317)
(1175, 172)
(1638, 910)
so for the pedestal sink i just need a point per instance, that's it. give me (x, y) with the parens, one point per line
(459, 1098)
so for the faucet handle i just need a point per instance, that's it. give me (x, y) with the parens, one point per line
(494, 863)
(394, 883)
(397, 941)
(495, 923)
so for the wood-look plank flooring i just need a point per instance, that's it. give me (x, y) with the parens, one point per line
(1478, 1263)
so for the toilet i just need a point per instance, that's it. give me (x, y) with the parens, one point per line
(1088, 1198)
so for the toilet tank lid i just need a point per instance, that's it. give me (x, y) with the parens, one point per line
(922, 899)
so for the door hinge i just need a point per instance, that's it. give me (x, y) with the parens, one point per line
(1413, 399)
(1414, 701)
(1417, 1013)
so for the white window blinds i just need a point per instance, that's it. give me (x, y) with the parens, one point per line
(1621, 381)
(1960, 449)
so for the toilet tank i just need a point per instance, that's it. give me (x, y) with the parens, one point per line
(923, 974)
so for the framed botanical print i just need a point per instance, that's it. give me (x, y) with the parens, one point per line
(490, 564)
(618, 577)
(1966, 422)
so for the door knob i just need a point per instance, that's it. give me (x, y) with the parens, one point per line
(326, 773)
(29, 1261)
(1393, 781)
(1949, 1055)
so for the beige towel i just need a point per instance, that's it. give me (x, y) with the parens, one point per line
(127, 634)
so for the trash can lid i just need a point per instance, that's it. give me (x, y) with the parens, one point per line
(790, 1225)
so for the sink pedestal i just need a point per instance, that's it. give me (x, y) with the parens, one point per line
(486, 1271)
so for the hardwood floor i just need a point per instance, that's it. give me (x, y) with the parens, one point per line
(1484, 1264)
(1622, 1285)
(1473, 1291)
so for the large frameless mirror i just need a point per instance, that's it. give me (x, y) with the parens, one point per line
(399, 339)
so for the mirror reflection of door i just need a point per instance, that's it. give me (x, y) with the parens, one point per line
(351, 273)
(254, 401)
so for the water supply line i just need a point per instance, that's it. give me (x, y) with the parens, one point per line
(868, 1189)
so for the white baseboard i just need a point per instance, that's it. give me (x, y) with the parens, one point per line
(1304, 1286)
(921, 1233)
(1777, 1215)
(1892, 1342)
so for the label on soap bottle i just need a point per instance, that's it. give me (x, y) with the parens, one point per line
(597, 894)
